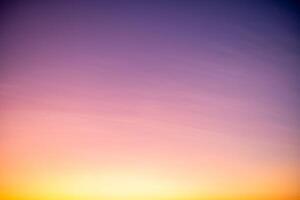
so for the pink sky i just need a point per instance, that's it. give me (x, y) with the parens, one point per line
(95, 98)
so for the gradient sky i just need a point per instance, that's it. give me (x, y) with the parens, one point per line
(150, 100)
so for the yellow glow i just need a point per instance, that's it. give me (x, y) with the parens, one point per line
(114, 185)
(129, 185)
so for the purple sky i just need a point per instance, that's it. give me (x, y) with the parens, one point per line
(204, 94)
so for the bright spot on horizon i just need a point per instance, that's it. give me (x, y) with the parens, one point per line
(120, 186)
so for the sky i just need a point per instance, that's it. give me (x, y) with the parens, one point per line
(149, 100)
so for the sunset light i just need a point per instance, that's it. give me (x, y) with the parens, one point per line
(149, 100)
